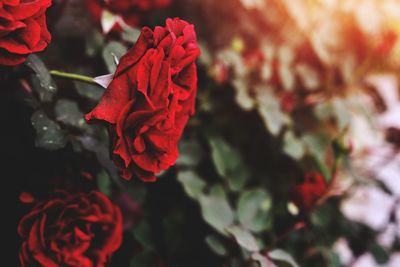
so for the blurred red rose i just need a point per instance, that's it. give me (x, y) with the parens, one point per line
(71, 230)
(23, 29)
(130, 11)
(306, 194)
(388, 41)
(288, 102)
(150, 98)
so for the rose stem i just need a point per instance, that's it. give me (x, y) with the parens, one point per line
(73, 76)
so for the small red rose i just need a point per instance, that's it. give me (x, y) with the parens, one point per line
(129, 12)
(307, 194)
(80, 230)
(23, 29)
(150, 99)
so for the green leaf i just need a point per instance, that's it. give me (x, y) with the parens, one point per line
(224, 157)
(113, 51)
(192, 183)
(216, 245)
(242, 96)
(42, 82)
(174, 232)
(269, 108)
(104, 182)
(91, 92)
(228, 163)
(135, 189)
(253, 210)
(68, 112)
(142, 233)
(130, 34)
(94, 40)
(316, 144)
(49, 134)
(334, 259)
(323, 110)
(216, 212)
(293, 146)
(380, 254)
(262, 260)
(144, 259)
(190, 153)
(244, 238)
(281, 255)
(218, 190)
(341, 113)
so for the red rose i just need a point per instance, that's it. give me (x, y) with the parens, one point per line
(306, 195)
(150, 98)
(130, 11)
(23, 29)
(80, 230)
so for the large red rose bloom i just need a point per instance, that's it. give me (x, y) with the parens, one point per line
(150, 99)
(80, 230)
(23, 29)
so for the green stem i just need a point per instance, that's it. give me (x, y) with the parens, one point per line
(73, 76)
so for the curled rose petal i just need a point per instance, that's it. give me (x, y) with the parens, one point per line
(23, 30)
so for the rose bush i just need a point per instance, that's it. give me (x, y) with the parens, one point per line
(150, 99)
(71, 230)
(129, 12)
(23, 29)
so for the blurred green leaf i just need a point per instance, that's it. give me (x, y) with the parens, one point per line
(217, 212)
(144, 259)
(113, 51)
(253, 210)
(174, 224)
(341, 112)
(130, 34)
(334, 259)
(293, 146)
(380, 254)
(192, 183)
(42, 82)
(104, 182)
(316, 144)
(323, 110)
(270, 110)
(190, 153)
(49, 134)
(262, 260)
(244, 238)
(228, 163)
(94, 41)
(89, 91)
(68, 112)
(142, 233)
(281, 255)
(242, 97)
(224, 157)
(136, 190)
(216, 245)
(218, 190)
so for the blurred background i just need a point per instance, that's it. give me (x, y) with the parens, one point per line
(286, 88)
